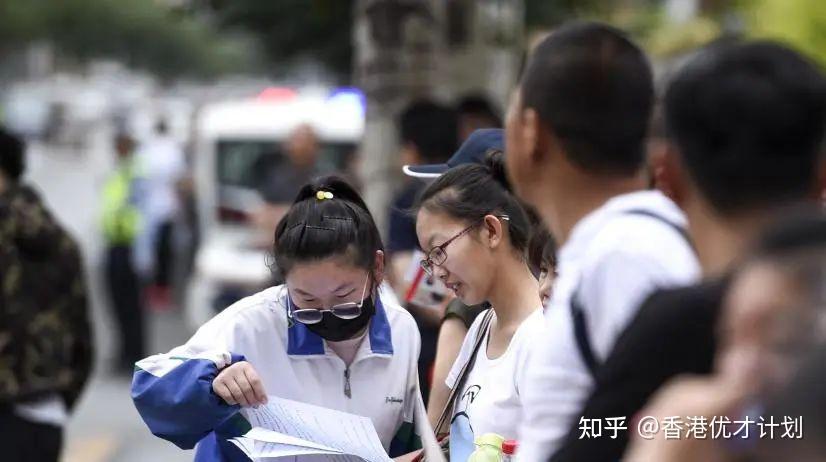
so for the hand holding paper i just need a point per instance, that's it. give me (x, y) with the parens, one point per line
(285, 428)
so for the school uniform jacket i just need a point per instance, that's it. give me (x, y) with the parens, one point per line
(173, 392)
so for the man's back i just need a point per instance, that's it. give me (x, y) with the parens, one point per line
(616, 256)
(673, 332)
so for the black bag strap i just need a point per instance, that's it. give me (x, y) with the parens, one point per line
(583, 339)
(581, 335)
(463, 373)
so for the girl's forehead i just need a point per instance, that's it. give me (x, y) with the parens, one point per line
(324, 276)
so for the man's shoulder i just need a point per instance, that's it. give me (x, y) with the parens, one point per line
(666, 315)
(705, 297)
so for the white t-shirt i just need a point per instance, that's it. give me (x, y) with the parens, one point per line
(490, 400)
(615, 257)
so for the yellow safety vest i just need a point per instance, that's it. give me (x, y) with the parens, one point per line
(121, 217)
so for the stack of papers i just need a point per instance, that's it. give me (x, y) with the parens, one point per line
(302, 432)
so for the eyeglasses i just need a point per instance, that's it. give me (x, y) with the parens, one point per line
(350, 310)
(438, 254)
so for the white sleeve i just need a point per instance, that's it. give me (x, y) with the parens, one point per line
(465, 351)
(554, 387)
(558, 383)
(615, 287)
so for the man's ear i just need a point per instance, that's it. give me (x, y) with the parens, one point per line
(533, 137)
(670, 176)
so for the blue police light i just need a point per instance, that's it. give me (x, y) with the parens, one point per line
(348, 96)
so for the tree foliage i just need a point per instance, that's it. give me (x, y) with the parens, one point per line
(143, 33)
(290, 30)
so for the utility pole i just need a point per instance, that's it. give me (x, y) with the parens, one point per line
(406, 49)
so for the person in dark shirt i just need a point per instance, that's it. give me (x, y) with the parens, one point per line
(745, 122)
(46, 344)
(428, 134)
(770, 320)
(281, 182)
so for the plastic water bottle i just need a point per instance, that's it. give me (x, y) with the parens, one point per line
(488, 448)
(509, 448)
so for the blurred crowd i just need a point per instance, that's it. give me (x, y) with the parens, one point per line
(604, 250)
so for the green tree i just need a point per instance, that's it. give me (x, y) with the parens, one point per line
(143, 33)
(293, 29)
(800, 23)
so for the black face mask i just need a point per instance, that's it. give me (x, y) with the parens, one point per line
(334, 329)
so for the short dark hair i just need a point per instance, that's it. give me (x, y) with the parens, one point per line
(314, 229)
(593, 89)
(12, 155)
(541, 249)
(748, 120)
(794, 231)
(478, 104)
(432, 128)
(469, 192)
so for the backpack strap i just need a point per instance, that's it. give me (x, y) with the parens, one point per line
(578, 315)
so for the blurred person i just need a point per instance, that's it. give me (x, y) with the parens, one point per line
(122, 222)
(475, 236)
(163, 164)
(746, 126)
(45, 333)
(773, 317)
(803, 397)
(330, 336)
(282, 181)
(427, 134)
(575, 143)
(475, 112)
(542, 258)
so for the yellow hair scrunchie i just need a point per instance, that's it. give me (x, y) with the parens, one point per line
(321, 195)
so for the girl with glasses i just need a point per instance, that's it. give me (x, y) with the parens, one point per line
(475, 236)
(331, 336)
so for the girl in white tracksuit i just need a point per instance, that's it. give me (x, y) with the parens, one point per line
(330, 336)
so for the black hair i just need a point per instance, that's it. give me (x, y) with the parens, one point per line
(796, 230)
(432, 128)
(12, 155)
(748, 120)
(795, 243)
(541, 249)
(471, 191)
(314, 229)
(478, 104)
(594, 90)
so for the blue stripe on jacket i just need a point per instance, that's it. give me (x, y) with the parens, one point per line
(180, 406)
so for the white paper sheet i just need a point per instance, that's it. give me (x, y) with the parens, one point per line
(285, 428)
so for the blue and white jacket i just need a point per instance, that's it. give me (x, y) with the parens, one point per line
(173, 391)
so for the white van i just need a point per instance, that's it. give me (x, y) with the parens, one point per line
(234, 139)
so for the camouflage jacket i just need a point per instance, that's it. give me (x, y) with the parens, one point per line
(45, 333)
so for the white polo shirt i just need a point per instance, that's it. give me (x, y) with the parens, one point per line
(615, 257)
